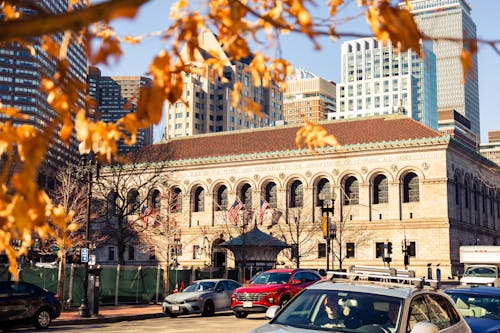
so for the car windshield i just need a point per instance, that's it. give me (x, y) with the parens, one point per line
(342, 311)
(201, 286)
(477, 306)
(481, 272)
(271, 278)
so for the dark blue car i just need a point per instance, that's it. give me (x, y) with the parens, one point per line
(22, 302)
(479, 305)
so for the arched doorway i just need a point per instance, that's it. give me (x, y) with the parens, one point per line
(218, 254)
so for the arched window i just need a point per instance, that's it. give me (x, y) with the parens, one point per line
(155, 199)
(324, 191)
(133, 202)
(199, 199)
(484, 198)
(466, 193)
(411, 188)
(246, 196)
(111, 204)
(457, 191)
(351, 191)
(221, 198)
(380, 190)
(175, 200)
(271, 195)
(475, 195)
(296, 194)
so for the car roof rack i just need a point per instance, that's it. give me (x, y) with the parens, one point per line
(384, 274)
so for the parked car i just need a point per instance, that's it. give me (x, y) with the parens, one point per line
(479, 305)
(203, 296)
(269, 288)
(343, 305)
(23, 302)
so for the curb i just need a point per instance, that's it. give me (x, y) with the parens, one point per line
(102, 319)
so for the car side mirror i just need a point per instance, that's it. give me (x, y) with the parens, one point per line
(271, 311)
(425, 327)
(296, 281)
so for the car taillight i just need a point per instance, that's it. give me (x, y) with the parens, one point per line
(56, 297)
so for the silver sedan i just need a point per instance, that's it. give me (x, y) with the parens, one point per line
(203, 296)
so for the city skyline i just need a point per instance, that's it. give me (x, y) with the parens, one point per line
(324, 63)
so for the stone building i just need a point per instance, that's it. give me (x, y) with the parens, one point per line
(391, 179)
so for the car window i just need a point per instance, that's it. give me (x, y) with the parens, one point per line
(418, 312)
(325, 309)
(232, 285)
(221, 285)
(19, 289)
(299, 276)
(477, 306)
(271, 278)
(439, 311)
(310, 277)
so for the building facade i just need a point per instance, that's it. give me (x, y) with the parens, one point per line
(451, 19)
(209, 105)
(491, 149)
(391, 180)
(116, 96)
(307, 96)
(376, 80)
(21, 74)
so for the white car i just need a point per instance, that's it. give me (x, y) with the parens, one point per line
(343, 305)
(203, 296)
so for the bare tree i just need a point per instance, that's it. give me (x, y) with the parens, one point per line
(71, 194)
(346, 231)
(126, 189)
(158, 230)
(298, 231)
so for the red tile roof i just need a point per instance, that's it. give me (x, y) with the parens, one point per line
(282, 138)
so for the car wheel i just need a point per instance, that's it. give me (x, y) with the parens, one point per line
(208, 309)
(42, 319)
(238, 314)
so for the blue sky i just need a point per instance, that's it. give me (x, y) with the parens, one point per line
(326, 62)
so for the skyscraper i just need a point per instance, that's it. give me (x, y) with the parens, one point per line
(116, 96)
(377, 79)
(21, 74)
(451, 19)
(307, 96)
(210, 107)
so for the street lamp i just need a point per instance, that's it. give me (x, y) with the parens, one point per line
(88, 162)
(328, 230)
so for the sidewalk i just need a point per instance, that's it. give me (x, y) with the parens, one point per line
(111, 314)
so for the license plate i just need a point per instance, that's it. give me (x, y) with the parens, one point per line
(175, 308)
(247, 304)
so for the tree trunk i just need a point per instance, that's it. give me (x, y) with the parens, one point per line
(121, 252)
(61, 279)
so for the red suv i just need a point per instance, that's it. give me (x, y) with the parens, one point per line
(273, 287)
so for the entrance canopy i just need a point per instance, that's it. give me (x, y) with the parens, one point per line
(254, 246)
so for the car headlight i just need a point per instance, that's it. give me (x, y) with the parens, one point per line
(192, 299)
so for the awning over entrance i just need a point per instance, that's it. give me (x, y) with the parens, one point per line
(255, 246)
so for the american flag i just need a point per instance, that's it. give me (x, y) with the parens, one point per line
(232, 212)
(263, 207)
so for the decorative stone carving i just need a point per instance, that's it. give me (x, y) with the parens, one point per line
(186, 182)
(209, 180)
(394, 168)
(335, 172)
(364, 169)
(425, 166)
(308, 174)
(256, 177)
(282, 175)
(232, 179)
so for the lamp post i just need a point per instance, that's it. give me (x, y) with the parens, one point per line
(328, 231)
(87, 165)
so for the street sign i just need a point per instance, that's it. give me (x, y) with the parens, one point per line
(85, 255)
(92, 260)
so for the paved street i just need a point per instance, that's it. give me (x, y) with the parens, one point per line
(183, 324)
